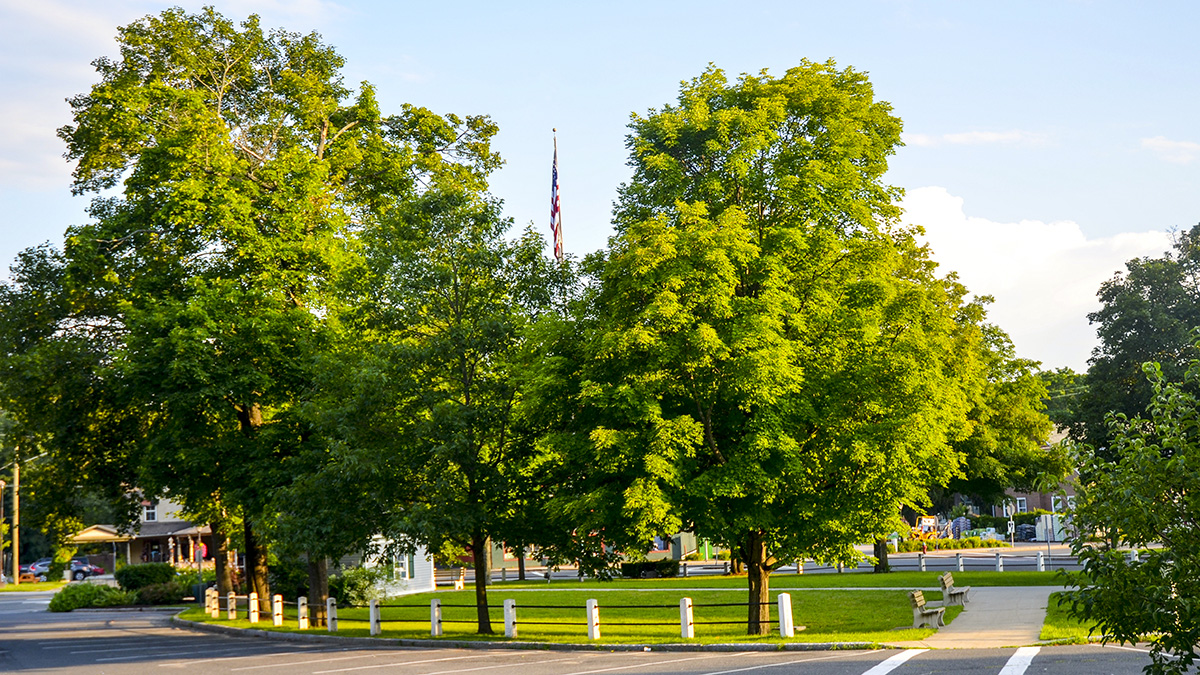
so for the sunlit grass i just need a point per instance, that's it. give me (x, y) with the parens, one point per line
(35, 586)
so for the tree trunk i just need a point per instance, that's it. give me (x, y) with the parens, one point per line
(881, 556)
(256, 568)
(318, 589)
(220, 534)
(479, 551)
(521, 563)
(758, 571)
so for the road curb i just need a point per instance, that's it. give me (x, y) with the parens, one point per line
(545, 646)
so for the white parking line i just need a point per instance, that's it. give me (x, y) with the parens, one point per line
(643, 665)
(445, 672)
(170, 653)
(189, 662)
(894, 662)
(789, 663)
(348, 658)
(1019, 661)
(143, 647)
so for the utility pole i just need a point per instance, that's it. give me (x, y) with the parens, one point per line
(16, 534)
(2, 486)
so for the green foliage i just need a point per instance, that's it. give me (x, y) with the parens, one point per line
(1064, 390)
(168, 593)
(650, 568)
(74, 596)
(356, 586)
(1147, 314)
(288, 575)
(1144, 490)
(910, 545)
(766, 356)
(1029, 517)
(135, 577)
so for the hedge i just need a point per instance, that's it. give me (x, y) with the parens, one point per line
(134, 577)
(650, 568)
(74, 596)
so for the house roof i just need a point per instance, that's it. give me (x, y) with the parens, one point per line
(107, 533)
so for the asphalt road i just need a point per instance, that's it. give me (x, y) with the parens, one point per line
(127, 643)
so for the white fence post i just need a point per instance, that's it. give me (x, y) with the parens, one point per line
(231, 606)
(687, 627)
(331, 614)
(373, 616)
(800, 566)
(958, 560)
(786, 628)
(435, 617)
(999, 563)
(302, 612)
(276, 610)
(1133, 556)
(593, 620)
(252, 606)
(921, 561)
(683, 566)
(510, 618)
(1041, 562)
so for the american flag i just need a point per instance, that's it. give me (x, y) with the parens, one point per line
(555, 211)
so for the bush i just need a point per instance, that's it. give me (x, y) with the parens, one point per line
(650, 568)
(287, 576)
(910, 545)
(1029, 517)
(356, 586)
(74, 596)
(134, 577)
(169, 593)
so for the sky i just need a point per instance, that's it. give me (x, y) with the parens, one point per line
(1046, 143)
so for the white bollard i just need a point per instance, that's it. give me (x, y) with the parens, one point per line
(958, 560)
(331, 614)
(593, 620)
(1041, 562)
(921, 561)
(1133, 556)
(799, 567)
(373, 617)
(999, 563)
(231, 606)
(302, 613)
(510, 618)
(435, 617)
(252, 606)
(503, 574)
(687, 626)
(683, 568)
(787, 629)
(276, 610)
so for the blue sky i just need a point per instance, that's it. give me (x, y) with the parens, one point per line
(1047, 142)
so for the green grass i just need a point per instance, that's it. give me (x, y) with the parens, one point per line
(36, 586)
(881, 616)
(864, 579)
(1062, 627)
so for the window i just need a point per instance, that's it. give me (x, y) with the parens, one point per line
(1022, 505)
(1056, 504)
(150, 512)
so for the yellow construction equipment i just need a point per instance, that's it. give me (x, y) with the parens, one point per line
(926, 529)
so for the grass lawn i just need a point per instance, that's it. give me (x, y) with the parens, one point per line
(830, 616)
(36, 586)
(1060, 626)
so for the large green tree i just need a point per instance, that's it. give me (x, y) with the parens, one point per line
(233, 169)
(1143, 493)
(770, 360)
(1147, 314)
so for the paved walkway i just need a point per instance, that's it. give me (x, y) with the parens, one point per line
(996, 616)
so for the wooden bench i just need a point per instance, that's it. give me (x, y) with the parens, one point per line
(922, 615)
(952, 595)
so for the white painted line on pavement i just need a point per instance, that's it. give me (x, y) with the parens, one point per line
(1019, 661)
(142, 647)
(352, 657)
(790, 663)
(656, 663)
(460, 670)
(181, 664)
(169, 653)
(894, 662)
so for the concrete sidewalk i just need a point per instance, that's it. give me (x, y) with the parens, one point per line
(996, 616)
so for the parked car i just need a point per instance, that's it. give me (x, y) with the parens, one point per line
(38, 569)
(82, 569)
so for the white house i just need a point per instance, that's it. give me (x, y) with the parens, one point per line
(402, 574)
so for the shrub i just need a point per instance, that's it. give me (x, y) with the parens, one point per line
(1029, 517)
(356, 586)
(650, 568)
(169, 593)
(74, 596)
(910, 545)
(134, 577)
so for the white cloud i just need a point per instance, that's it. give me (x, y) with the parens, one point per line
(1013, 136)
(1179, 152)
(1043, 276)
